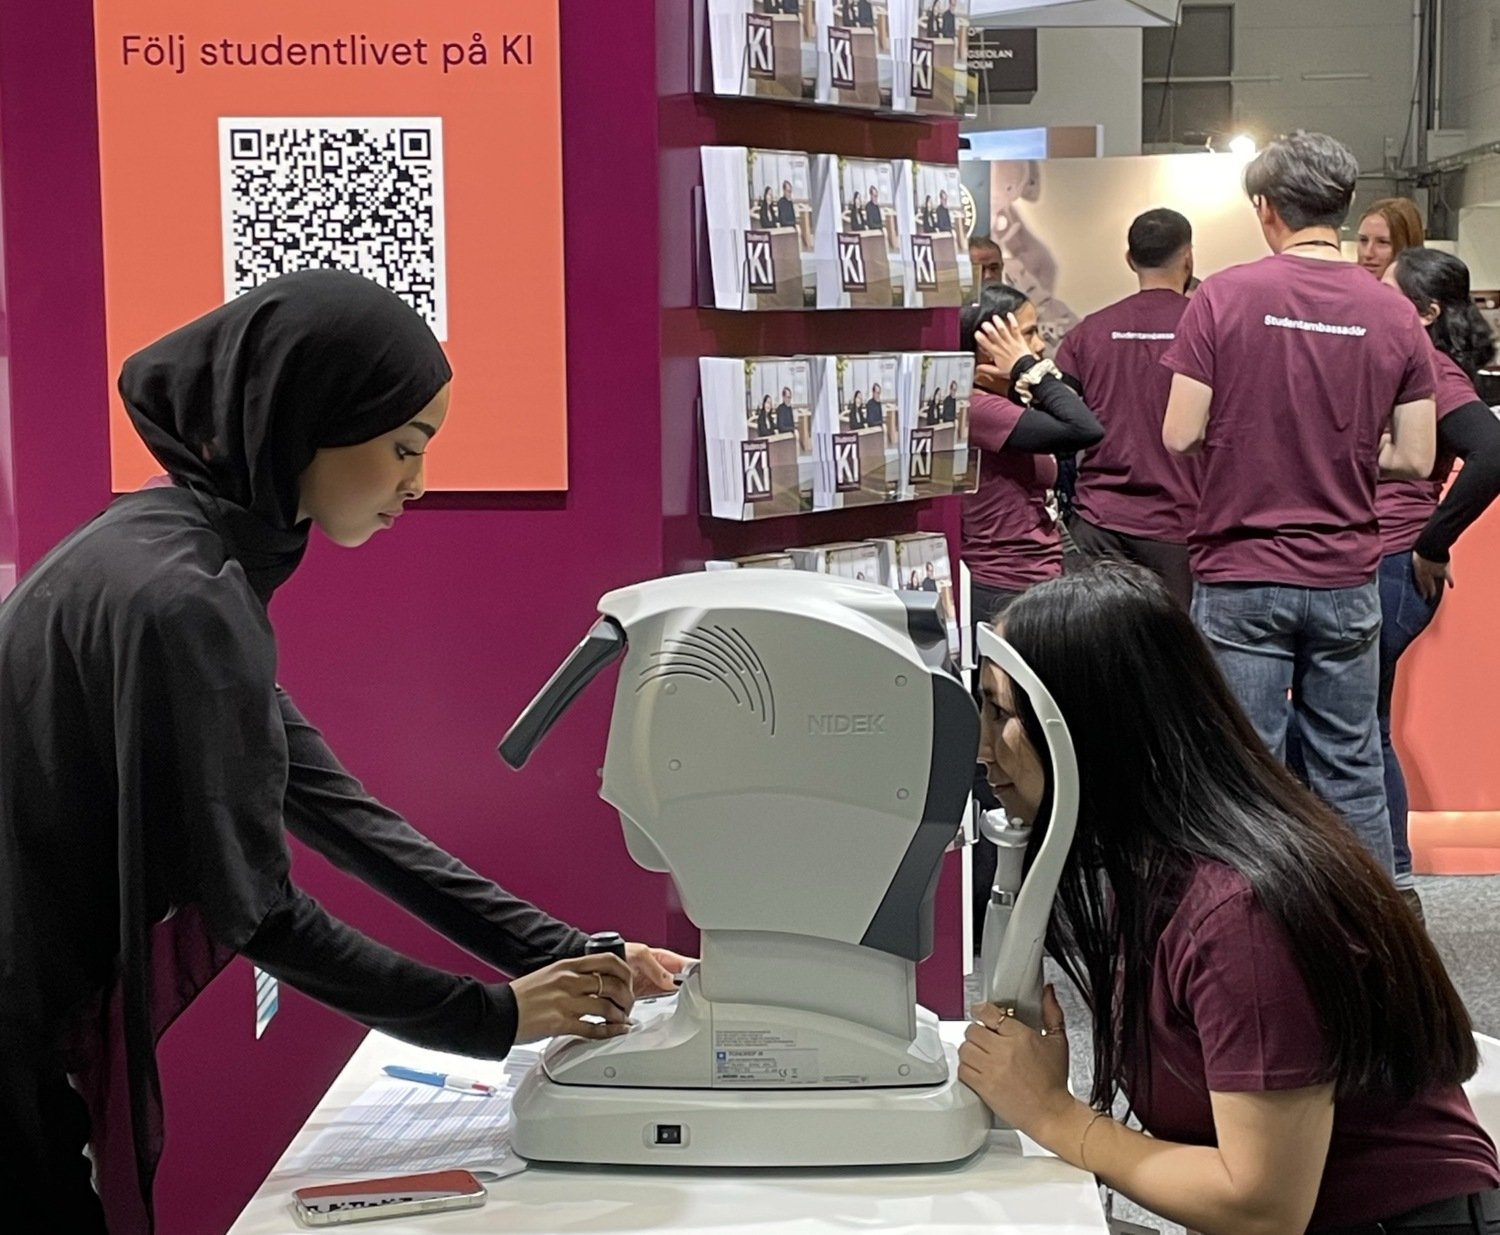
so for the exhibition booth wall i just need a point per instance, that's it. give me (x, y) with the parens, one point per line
(415, 652)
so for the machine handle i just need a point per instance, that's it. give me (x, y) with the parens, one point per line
(601, 647)
(605, 941)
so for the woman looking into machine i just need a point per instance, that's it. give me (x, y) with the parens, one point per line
(1271, 1009)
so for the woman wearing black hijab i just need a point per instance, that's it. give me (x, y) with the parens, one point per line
(149, 763)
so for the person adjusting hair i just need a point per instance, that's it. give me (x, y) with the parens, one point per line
(151, 766)
(1021, 416)
(1132, 499)
(1300, 381)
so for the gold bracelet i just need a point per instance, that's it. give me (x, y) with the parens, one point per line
(1084, 1139)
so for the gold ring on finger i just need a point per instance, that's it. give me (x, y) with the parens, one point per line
(1005, 1014)
(599, 978)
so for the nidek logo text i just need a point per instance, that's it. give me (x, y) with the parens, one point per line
(846, 724)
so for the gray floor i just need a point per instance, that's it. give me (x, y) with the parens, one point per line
(1463, 918)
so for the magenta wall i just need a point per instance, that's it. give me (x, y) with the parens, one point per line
(414, 653)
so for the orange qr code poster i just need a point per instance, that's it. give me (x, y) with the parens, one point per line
(419, 145)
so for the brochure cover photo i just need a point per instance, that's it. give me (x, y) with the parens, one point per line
(756, 561)
(941, 274)
(759, 207)
(864, 213)
(919, 562)
(933, 53)
(858, 560)
(757, 434)
(857, 68)
(858, 429)
(764, 48)
(936, 387)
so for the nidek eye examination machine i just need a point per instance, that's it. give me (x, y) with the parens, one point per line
(791, 750)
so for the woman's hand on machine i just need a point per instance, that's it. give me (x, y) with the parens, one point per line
(1019, 1072)
(556, 999)
(652, 969)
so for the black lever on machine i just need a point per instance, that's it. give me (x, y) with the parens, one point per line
(601, 647)
(605, 941)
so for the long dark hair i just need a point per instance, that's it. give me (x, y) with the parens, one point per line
(1432, 279)
(994, 300)
(1173, 775)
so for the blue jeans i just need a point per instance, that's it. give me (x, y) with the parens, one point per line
(1323, 646)
(1405, 613)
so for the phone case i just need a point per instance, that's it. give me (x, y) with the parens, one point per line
(394, 1196)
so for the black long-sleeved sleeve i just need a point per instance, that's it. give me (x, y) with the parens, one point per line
(303, 945)
(329, 810)
(1058, 421)
(1471, 433)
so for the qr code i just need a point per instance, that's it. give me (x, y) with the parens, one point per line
(361, 194)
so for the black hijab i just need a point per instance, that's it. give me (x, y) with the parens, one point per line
(235, 404)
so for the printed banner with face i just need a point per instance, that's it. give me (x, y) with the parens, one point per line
(1061, 224)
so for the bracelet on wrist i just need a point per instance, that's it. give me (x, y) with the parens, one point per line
(1084, 1139)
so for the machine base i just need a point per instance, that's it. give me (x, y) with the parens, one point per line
(748, 1128)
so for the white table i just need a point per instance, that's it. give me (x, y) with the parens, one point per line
(1484, 1088)
(1011, 1187)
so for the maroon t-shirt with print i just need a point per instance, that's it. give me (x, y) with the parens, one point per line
(1306, 359)
(1230, 1013)
(1130, 482)
(1010, 540)
(1404, 506)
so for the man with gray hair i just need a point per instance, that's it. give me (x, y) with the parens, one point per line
(1301, 380)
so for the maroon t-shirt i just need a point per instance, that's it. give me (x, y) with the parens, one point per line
(1009, 538)
(1130, 482)
(1306, 359)
(1404, 506)
(1230, 1013)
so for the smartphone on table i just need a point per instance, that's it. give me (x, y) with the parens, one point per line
(392, 1197)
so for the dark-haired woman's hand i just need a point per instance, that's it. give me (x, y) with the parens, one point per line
(1002, 344)
(1431, 577)
(1020, 1073)
(653, 970)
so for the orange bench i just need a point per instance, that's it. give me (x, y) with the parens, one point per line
(1455, 842)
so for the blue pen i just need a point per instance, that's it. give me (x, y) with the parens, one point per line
(442, 1080)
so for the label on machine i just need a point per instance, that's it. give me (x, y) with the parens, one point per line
(762, 1057)
(751, 1067)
